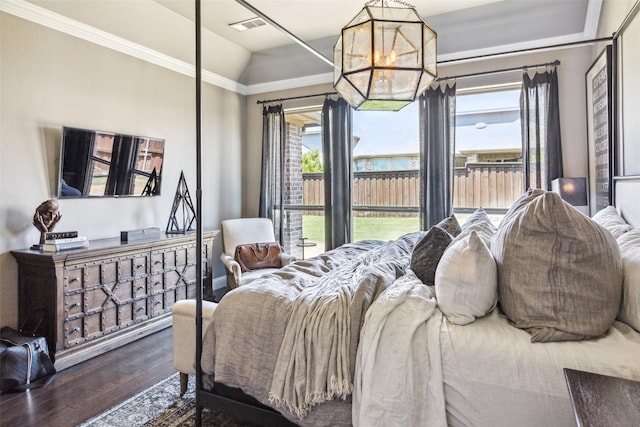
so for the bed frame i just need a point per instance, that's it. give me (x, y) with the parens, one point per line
(233, 401)
(626, 191)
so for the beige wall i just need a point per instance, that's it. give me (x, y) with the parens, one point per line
(49, 80)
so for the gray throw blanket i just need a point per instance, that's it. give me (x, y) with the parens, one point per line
(290, 338)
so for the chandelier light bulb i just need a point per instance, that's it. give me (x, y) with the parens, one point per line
(391, 59)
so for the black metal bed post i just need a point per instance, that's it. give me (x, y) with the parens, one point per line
(199, 295)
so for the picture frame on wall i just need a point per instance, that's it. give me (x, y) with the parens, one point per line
(598, 81)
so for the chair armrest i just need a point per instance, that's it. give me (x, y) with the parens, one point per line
(232, 266)
(287, 259)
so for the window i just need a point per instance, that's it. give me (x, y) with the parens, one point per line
(386, 168)
(488, 152)
(304, 201)
(386, 186)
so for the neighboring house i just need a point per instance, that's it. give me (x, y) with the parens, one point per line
(487, 131)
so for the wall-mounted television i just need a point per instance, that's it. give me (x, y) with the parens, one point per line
(106, 164)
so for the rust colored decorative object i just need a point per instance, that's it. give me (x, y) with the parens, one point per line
(46, 217)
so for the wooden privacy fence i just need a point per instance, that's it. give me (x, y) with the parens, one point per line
(397, 193)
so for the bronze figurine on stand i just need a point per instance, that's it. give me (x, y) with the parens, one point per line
(46, 217)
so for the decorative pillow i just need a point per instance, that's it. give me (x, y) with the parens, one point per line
(427, 253)
(479, 222)
(254, 256)
(559, 273)
(610, 219)
(466, 280)
(451, 225)
(522, 201)
(478, 216)
(629, 244)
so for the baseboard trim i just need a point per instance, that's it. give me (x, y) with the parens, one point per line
(66, 359)
(219, 282)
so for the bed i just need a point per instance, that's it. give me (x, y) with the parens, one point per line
(355, 337)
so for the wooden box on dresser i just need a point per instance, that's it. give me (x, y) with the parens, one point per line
(102, 297)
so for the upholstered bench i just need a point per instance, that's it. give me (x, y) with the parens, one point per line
(184, 336)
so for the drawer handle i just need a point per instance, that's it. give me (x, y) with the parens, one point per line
(157, 282)
(75, 330)
(138, 266)
(139, 309)
(75, 279)
(158, 303)
(156, 262)
(139, 288)
(74, 305)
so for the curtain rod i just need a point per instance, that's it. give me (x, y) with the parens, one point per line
(503, 70)
(625, 23)
(268, 101)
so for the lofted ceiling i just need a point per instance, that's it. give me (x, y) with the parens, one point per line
(464, 27)
(264, 57)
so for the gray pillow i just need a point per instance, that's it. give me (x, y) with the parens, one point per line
(522, 201)
(451, 225)
(427, 253)
(559, 273)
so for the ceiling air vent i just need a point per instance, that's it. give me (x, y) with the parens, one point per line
(248, 24)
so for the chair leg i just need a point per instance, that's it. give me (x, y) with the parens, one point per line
(184, 383)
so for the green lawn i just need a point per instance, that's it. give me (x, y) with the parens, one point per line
(364, 228)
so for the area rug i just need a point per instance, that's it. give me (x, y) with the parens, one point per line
(161, 406)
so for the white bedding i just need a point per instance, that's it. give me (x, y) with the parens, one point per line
(412, 365)
(398, 377)
(494, 376)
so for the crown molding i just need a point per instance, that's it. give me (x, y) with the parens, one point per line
(592, 20)
(47, 18)
(294, 83)
(55, 21)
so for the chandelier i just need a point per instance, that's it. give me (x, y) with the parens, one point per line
(384, 58)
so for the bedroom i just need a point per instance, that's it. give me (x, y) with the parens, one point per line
(50, 79)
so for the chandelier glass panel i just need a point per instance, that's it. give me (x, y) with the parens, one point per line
(384, 58)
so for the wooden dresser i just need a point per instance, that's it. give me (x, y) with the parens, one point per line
(107, 295)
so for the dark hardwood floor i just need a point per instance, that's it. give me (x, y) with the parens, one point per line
(84, 390)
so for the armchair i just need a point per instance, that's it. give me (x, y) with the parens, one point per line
(242, 231)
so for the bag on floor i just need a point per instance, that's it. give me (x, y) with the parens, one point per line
(24, 361)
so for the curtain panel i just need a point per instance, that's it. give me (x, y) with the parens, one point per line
(337, 118)
(437, 150)
(540, 118)
(273, 164)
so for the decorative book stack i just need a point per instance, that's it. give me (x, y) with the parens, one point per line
(65, 240)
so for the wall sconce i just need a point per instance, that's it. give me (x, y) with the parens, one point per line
(572, 191)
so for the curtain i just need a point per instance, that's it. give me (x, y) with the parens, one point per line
(273, 163)
(437, 149)
(337, 148)
(540, 118)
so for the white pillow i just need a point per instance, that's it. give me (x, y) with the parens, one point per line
(479, 222)
(466, 280)
(610, 219)
(629, 244)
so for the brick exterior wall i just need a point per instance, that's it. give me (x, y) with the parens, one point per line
(293, 189)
